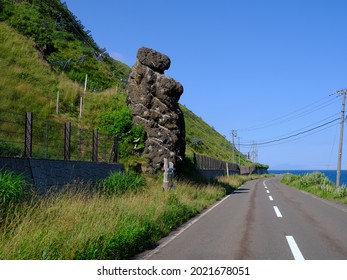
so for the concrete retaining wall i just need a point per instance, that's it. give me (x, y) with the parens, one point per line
(214, 173)
(44, 173)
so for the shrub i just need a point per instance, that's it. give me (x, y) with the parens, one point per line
(314, 179)
(119, 182)
(119, 122)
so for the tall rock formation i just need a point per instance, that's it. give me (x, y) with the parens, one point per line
(153, 99)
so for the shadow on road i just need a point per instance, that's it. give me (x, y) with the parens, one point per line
(241, 191)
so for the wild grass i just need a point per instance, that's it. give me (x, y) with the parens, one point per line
(317, 183)
(12, 188)
(86, 225)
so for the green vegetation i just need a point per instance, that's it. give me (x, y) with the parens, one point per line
(120, 182)
(12, 189)
(63, 42)
(204, 139)
(111, 225)
(316, 183)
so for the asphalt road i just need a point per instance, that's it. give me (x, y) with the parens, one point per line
(263, 220)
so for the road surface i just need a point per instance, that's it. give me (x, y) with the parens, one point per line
(262, 220)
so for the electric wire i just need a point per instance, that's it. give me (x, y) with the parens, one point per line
(293, 135)
(298, 138)
(297, 130)
(308, 109)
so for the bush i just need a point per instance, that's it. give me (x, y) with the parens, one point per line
(119, 182)
(314, 179)
(12, 188)
(118, 122)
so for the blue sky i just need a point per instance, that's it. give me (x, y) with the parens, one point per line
(263, 68)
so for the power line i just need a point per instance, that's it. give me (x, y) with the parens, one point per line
(293, 135)
(308, 109)
(298, 138)
(299, 130)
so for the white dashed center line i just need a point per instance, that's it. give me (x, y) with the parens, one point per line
(294, 248)
(278, 212)
(267, 191)
(270, 197)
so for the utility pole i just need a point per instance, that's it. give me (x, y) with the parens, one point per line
(338, 173)
(238, 145)
(234, 134)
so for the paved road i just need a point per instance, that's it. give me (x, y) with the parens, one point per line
(263, 220)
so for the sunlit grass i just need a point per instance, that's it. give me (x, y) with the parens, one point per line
(317, 183)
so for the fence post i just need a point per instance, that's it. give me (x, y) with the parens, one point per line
(227, 165)
(95, 145)
(47, 131)
(28, 141)
(67, 140)
(114, 152)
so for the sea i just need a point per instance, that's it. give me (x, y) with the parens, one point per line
(331, 174)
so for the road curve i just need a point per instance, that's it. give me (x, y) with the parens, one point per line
(262, 220)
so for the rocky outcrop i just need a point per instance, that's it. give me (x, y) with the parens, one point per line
(153, 99)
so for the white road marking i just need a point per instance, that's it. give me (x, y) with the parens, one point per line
(278, 212)
(268, 191)
(265, 184)
(270, 197)
(294, 248)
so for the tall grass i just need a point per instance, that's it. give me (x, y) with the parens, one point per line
(318, 184)
(96, 226)
(12, 188)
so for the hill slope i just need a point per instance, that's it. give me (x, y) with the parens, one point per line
(32, 77)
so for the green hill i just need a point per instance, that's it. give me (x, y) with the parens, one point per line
(45, 50)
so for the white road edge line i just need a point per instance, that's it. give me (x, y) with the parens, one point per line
(183, 229)
(278, 212)
(270, 197)
(294, 248)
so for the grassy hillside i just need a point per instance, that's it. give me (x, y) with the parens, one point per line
(34, 34)
(204, 139)
(63, 42)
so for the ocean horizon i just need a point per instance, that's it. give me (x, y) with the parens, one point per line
(331, 174)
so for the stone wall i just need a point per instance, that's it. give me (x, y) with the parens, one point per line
(45, 174)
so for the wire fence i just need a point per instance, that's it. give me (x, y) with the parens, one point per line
(25, 135)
